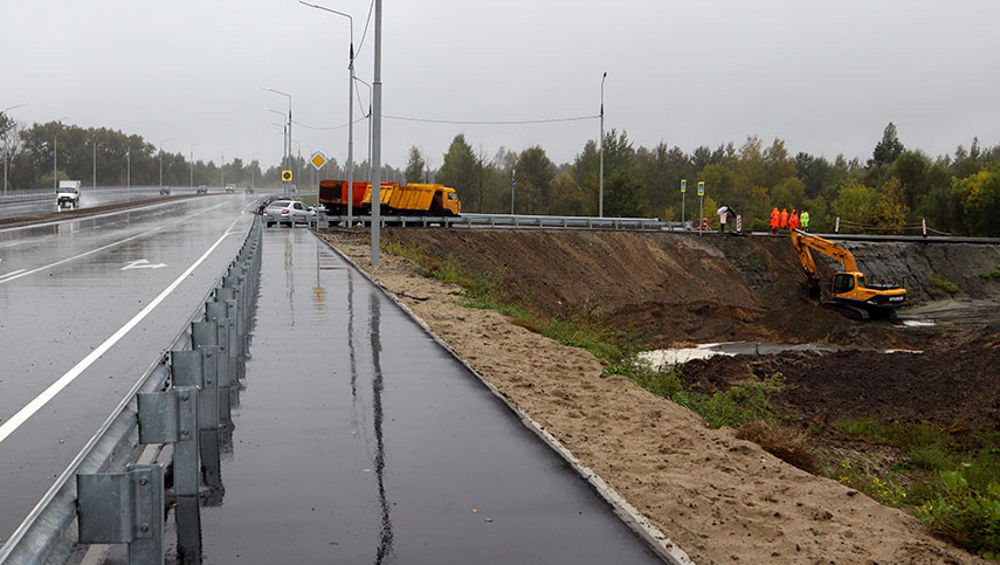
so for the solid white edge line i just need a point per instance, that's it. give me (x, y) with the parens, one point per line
(29, 410)
(12, 276)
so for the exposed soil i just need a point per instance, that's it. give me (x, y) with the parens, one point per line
(719, 498)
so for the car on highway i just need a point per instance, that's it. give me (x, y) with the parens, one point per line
(230, 188)
(165, 190)
(288, 212)
(202, 190)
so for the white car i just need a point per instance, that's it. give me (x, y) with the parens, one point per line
(288, 212)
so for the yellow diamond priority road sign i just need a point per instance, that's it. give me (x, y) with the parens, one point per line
(318, 160)
(286, 176)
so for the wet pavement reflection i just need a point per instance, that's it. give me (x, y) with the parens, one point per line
(358, 439)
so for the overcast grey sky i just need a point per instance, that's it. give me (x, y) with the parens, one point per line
(824, 76)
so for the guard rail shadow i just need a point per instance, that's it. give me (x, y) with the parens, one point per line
(110, 494)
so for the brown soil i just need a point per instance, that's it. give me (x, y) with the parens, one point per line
(718, 497)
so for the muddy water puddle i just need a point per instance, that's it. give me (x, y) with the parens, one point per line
(661, 358)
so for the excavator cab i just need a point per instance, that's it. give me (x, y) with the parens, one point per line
(849, 288)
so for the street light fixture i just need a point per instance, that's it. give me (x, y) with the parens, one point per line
(600, 205)
(161, 159)
(350, 112)
(6, 156)
(288, 132)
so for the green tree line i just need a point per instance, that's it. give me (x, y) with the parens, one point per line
(897, 187)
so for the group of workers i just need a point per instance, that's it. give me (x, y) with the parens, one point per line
(784, 220)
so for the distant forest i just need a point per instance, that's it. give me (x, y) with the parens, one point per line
(893, 191)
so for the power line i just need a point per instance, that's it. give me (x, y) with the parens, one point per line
(342, 126)
(363, 34)
(492, 123)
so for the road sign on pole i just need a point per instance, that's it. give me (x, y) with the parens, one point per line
(701, 188)
(286, 176)
(318, 160)
(684, 188)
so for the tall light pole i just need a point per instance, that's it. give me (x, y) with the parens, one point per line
(369, 116)
(223, 167)
(161, 158)
(350, 112)
(55, 155)
(513, 185)
(93, 184)
(288, 132)
(6, 150)
(253, 169)
(128, 173)
(191, 159)
(600, 205)
(377, 137)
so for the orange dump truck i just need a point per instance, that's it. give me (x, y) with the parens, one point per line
(417, 199)
(333, 195)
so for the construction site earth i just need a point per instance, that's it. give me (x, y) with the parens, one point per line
(719, 497)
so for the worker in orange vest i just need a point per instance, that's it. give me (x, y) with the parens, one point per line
(784, 218)
(775, 220)
(793, 220)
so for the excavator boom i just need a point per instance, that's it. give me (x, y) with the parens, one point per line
(804, 241)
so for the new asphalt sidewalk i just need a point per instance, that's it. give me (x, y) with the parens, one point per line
(359, 439)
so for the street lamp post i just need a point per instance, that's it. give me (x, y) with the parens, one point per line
(350, 112)
(223, 167)
(6, 151)
(288, 132)
(55, 155)
(253, 169)
(191, 155)
(161, 159)
(128, 173)
(600, 205)
(377, 137)
(369, 116)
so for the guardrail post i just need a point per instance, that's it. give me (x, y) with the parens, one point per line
(124, 508)
(172, 417)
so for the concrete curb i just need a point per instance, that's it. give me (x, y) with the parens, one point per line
(656, 539)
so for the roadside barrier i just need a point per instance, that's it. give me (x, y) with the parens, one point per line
(109, 494)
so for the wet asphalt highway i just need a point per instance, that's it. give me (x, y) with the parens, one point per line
(358, 439)
(89, 198)
(65, 290)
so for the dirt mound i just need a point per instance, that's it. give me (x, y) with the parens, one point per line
(683, 288)
(955, 388)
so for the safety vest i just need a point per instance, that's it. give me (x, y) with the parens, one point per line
(804, 219)
(775, 218)
(784, 218)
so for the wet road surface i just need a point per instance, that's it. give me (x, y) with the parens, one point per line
(65, 290)
(359, 439)
(89, 198)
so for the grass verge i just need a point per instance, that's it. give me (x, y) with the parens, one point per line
(950, 480)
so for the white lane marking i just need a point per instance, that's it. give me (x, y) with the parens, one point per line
(29, 410)
(142, 264)
(103, 247)
(5, 276)
(95, 216)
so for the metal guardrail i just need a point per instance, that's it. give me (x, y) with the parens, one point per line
(184, 398)
(513, 221)
(43, 194)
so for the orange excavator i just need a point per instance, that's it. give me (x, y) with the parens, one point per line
(850, 291)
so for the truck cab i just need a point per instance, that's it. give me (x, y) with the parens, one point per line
(68, 194)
